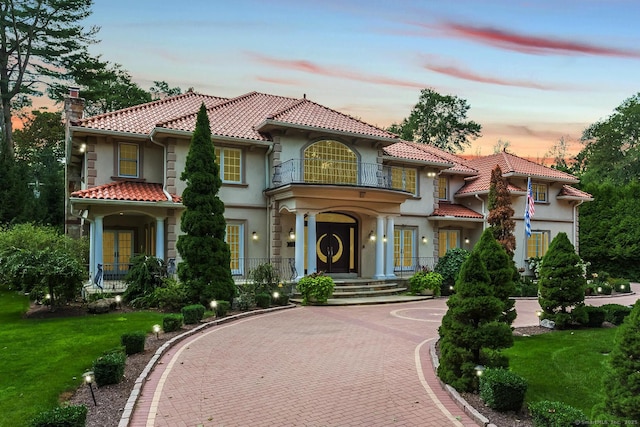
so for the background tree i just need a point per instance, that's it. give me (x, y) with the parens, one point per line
(500, 211)
(161, 90)
(561, 281)
(205, 268)
(40, 39)
(439, 120)
(502, 272)
(501, 146)
(622, 381)
(14, 191)
(470, 333)
(559, 153)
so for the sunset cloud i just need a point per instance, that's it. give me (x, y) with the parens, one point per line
(532, 44)
(316, 69)
(278, 81)
(469, 75)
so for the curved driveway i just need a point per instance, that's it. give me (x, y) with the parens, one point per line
(310, 366)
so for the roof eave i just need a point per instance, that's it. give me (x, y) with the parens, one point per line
(264, 125)
(90, 201)
(416, 161)
(92, 131)
(453, 218)
(183, 133)
(540, 177)
(576, 198)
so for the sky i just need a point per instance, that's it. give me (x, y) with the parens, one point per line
(531, 71)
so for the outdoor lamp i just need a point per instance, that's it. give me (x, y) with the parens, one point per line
(214, 305)
(424, 240)
(372, 236)
(466, 240)
(88, 378)
(384, 238)
(118, 300)
(156, 330)
(254, 235)
(276, 295)
(292, 235)
(479, 370)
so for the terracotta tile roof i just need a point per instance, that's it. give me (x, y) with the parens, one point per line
(569, 192)
(511, 165)
(454, 210)
(141, 119)
(429, 153)
(126, 190)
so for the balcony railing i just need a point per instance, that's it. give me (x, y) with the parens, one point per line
(325, 171)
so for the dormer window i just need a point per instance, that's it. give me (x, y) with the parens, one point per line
(128, 160)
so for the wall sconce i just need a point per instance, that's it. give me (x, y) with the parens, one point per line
(384, 238)
(431, 174)
(292, 235)
(424, 240)
(466, 240)
(372, 236)
(254, 235)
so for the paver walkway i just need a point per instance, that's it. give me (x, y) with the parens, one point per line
(311, 366)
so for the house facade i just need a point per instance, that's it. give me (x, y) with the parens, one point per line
(305, 187)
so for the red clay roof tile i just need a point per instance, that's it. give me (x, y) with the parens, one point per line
(569, 192)
(126, 190)
(454, 210)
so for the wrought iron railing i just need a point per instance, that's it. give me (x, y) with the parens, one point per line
(325, 171)
(242, 267)
(405, 267)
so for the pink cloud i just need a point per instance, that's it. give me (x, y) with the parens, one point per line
(468, 75)
(313, 68)
(277, 81)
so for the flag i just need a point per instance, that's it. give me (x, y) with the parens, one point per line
(529, 209)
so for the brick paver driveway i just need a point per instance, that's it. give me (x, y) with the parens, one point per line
(311, 366)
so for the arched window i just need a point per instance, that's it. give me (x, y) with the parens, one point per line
(330, 162)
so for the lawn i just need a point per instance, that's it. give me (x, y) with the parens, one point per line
(40, 357)
(566, 366)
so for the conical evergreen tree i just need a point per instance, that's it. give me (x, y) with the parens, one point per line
(470, 331)
(500, 211)
(206, 257)
(622, 382)
(561, 280)
(502, 273)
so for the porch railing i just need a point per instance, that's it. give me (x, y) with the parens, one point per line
(242, 267)
(325, 171)
(406, 267)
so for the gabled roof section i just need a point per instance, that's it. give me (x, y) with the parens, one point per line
(454, 211)
(571, 193)
(431, 154)
(141, 119)
(127, 190)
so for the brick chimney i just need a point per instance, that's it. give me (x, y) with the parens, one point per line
(73, 106)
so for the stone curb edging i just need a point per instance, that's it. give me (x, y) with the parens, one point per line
(137, 387)
(476, 416)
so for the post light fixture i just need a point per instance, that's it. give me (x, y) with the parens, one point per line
(372, 236)
(539, 314)
(254, 235)
(276, 295)
(424, 239)
(118, 300)
(451, 287)
(599, 289)
(214, 305)
(292, 234)
(479, 370)
(156, 330)
(88, 379)
(47, 296)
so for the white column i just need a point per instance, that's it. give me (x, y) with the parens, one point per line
(97, 246)
(160, 238)
(390, 246)
(379, 249)
(311, 243)
(92, 250)
(299, 252)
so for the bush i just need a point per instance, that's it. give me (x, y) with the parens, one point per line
(615, 313)
(620, 285)
(193, 313)
(526, 288)
(449, 266)
(171, 296)
(265, 278)
(596, 316)
(263, 300)
(502, 390)
(172, 322)
(109, 368)
(603, 288)
(62, 416)
(133, 342)
(317, 287)
(222, 308)
(423, 280)
(556, 414)
(144, 276)
(282, 299)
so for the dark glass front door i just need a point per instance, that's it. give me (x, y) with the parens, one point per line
(336, 246)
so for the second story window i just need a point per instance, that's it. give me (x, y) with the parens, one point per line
(128, 160)
(403, 179)
(330, 162)
(230, 162)
(443, 188)
(539, 192)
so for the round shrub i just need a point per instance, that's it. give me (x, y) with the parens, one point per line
(222, 308)
(553, 414)
(615, 313)
(109, 368)
(172, 322)
(316, 288)
(62, 416)
(502, 389)
(193, 313)
(133, 342)
(263, 300)
(283, 299)
(449, 266)
(425, 280)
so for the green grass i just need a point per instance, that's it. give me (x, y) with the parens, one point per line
(40, 357)
(567, 366)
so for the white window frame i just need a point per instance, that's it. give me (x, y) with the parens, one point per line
(241, 248)
(221, 164)
(137, 174)
(398, 265)
(537, 192)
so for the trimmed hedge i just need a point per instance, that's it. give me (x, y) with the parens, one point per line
(620, 285)
(193, 313)
(283, 299)
(502, 390)
(589, 316)
(172, 322)
(133, 342)
(62, 416)
(109, 368)
(263, 300)
(222, 308)
(556, 414)
(615, 313)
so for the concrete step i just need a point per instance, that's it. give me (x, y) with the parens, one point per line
(361, 293)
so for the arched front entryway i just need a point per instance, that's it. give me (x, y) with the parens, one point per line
(336, 243)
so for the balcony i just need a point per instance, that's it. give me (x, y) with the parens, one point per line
(344, 173)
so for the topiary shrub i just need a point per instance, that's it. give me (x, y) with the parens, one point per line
(603, 288)
(263, 300)
(502, 390)
(556, 414)
(109, 368)
(133, 342)
(172, 322)
(425, 280)
(449, 266)
(620, 285)
(615, 313)
(62, 416)
(596, 316)
(193, 313)
(222, 308)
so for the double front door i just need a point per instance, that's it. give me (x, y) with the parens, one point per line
(117, 250)
(336, 237)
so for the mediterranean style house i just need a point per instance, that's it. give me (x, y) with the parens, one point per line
(305, 187)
